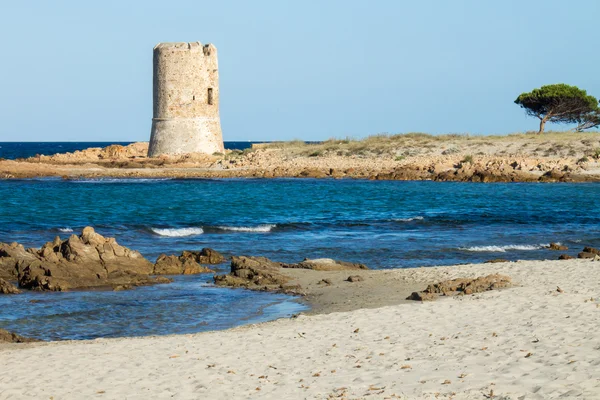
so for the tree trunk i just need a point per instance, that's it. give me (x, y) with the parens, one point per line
(542, 125)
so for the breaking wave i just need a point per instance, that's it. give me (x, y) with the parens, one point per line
(504, 249)
(178, 232)
(65, 230)
(259, 228)
(417, 218)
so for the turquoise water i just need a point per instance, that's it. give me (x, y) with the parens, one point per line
(384, 224)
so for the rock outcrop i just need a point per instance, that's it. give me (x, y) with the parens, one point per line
(189, 262)
(326, 264)
(557, 247)
(85, 261)
(10, 255)
(462, 286)
(8, 288)
(260, 273)
(9, 337)
(253, 273)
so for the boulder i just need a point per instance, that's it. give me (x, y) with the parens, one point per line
(9, 337)
(496, 260)
(565, 257)
(421, 296)
(84, 261)
(8, 288)
(204, 256)
(355, 278)
(184, 264)
(252, 272)
(592, 250)
(557, 247)
(585, 254)
(326, 264)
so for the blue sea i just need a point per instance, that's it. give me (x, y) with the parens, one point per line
(383, 224)
(14, 150)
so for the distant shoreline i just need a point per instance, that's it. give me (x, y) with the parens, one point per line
(551, 157)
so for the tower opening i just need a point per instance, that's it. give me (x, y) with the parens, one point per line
(210, 96)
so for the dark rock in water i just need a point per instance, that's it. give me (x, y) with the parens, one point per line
(558, 247)
(9, 337)
(85, 261)
(355, 278)
(204, 256)
(185, 264)
(251, 272)
(8, 288)
(496, 260)
(565, 257)
(325, 264)
(421, 296)
(592, 250)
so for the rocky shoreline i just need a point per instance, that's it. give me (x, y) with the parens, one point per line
(89, 261)
(514, 158)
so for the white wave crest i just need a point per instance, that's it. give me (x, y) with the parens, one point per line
(417, 218)
(259, 228)
(120, 180)
(178, 232)
(65, 230)
(504, 249)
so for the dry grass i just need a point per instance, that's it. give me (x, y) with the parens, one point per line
(552, 143)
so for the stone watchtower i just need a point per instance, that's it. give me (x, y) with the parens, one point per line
(186, 100)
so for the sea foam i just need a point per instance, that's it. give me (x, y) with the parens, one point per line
(504, 249)
(417, 218)
(178, 232)
(65, 230)
(259, 228)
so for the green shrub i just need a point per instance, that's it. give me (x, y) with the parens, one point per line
(468, 159)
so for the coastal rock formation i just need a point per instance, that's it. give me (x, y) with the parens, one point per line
(9, 337)
(10, 254)
(557, 247)
(189, 262)
(84, 261)
(589, 252)
(463, 286)
(252, 272)
(260, 273)
(8, 288)
(325, 264)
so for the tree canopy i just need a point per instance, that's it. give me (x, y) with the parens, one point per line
(558, 103)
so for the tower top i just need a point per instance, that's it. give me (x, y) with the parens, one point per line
(208, 49)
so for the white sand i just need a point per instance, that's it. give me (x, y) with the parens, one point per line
(528, 342)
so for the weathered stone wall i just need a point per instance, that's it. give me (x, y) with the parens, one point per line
(186, 100)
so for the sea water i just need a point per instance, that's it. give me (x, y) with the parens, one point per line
(383, 224)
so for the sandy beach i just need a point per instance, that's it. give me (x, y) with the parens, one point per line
(531, 341)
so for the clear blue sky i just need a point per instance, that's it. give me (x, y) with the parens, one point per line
(79, 70)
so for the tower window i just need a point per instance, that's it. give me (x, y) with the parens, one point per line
(193, 98)
(210, 96)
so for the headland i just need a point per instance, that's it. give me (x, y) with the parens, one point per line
(551, 157)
